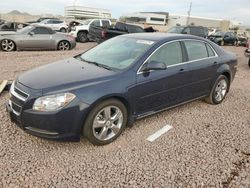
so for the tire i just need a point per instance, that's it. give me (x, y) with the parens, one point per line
(8, 45)
(222, 43)
(63, 30)
(82, 36)
(219, 91)
(235, 43)
(249, 62)
(63, 45)
(107, 127)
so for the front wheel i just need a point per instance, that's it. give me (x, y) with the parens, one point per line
(105, 122)
(8, 45)
(222, 43)
(219, 91)
(249, 62)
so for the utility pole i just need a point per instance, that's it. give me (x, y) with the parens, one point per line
(189, 13)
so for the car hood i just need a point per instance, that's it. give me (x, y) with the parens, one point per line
(63, 75)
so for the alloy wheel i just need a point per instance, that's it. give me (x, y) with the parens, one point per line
(7, 45)
(221, 90)
(64, 45)
(107, 123)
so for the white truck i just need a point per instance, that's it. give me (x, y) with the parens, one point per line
(81, 31)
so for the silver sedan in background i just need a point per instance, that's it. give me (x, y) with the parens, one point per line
(36, 38)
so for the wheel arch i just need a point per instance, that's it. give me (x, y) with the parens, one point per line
(120, 98)
(83, 30)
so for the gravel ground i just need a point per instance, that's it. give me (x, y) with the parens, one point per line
(209, 146)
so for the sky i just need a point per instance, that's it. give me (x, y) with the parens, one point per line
(225, 9)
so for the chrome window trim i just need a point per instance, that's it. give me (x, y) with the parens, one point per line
(186, 62)
(12, 91)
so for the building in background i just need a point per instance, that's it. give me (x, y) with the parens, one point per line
(163, 20)
(80, 12)
(153, 18)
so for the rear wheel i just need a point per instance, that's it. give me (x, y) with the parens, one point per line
(219, 91)
(105, 122)
(249, 62)
(82, 36)
(8, 45)
(63, 45)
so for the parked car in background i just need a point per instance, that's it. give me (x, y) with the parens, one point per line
(222, 38)
(97, 93)
(212, 31)
(54, 24)
(247, 51)
(41, 19)
(100, 34)
(191, 30)
(81, 31)
(72, 25)
(242, 40)
(12, 26)
(36, 38)
(2, 21)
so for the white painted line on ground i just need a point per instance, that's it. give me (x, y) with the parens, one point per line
(158, 133)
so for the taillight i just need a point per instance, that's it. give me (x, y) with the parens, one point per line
(103, 34)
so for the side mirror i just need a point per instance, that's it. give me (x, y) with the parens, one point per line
(154, 65)
(184, 32)
(31, 33)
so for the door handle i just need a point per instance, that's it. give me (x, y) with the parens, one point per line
(215, 63)
(182, 70)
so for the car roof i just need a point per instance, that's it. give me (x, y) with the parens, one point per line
(161, 36)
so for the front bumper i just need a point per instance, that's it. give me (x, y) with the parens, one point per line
(72, 44)
(247, 52)
(65, 124)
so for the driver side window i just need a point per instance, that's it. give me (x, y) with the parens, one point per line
(169, 54)
(41, 31)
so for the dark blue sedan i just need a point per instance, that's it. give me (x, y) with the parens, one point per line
(99, 92)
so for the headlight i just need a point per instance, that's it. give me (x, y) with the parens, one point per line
(53, 102)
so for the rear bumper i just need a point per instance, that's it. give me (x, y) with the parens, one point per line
(65, 125)
(72, 44)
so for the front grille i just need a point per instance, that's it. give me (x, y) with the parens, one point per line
(21, 93)
(15, 108)
(18, 93)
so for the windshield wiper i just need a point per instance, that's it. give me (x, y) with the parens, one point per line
(97, 64)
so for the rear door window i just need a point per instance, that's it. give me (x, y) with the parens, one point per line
(196, 50)
(210, 51)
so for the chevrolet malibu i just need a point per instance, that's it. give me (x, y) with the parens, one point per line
(97, 93)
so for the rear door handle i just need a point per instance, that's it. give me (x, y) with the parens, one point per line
(182, 70)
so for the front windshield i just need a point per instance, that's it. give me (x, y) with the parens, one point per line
(176, 30)
(25, 29)
(85, 22)
(117, 53)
